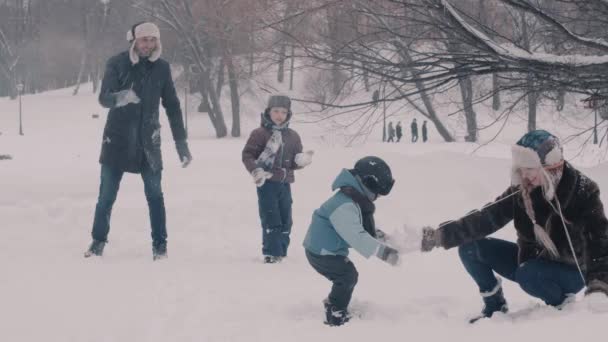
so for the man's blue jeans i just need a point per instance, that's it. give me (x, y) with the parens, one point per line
(548, 280)
(108, 190)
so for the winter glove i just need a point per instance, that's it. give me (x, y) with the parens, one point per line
(183, 152)
(430, 239)
(304, 159)
(260, 176)
(124, 97)
(388, 254)
(380, 235)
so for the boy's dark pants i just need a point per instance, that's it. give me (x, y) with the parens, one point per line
(341, 272)
(274, 201)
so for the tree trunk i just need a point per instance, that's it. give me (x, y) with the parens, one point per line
(282, 57)
(532, 94)
(466, 89)
(96, 76)
(220, 77)
(482, 17)
(83, 63)
(204, 106)
(85, 36)
(292, 68)
(532, 103)
(366, 80)
(336, 79)
(432, 114)
(220, 128)
(215, 115)
(251, 50)
(561, 99)
(234, 98)
(495, 92)
(424, 96)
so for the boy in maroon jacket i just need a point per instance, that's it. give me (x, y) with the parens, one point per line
(271, 155)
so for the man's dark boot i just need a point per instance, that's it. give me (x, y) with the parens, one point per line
(159, 250)
(95, 249)
(494, 301)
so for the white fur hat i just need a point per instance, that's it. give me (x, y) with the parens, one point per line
(140, 30)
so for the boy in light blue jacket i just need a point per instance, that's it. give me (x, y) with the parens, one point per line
(346, 221)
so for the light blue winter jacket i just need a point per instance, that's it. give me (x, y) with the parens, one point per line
(337, 225)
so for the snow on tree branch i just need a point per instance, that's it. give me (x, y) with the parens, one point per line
(526, 6)
(514, 53)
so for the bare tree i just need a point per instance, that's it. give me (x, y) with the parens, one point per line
(182, 17)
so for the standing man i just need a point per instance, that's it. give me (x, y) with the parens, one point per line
(134, 83)
(399, 130)
(414, 129)
(425, 132)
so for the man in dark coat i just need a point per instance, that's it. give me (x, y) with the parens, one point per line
(551, 204)
(134, 83)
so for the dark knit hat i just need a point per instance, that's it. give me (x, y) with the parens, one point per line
(279, 101)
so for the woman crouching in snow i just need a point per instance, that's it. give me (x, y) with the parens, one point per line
(562, 232)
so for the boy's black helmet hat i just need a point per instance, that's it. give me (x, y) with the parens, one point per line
(375, 174)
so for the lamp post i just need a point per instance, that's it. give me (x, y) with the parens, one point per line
(19, 91)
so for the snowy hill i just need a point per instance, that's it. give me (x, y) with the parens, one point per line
(213, 286)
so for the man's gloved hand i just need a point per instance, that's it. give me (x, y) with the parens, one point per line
(124, 97)
(430, 239)
(183, 152)
(260, 176)
(304, 159)
(388, 254)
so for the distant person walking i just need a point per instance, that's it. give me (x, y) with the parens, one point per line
(391, 133)
(425, 132)
(414, 129)
(399, 131)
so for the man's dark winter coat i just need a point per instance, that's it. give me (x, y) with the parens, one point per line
(132, 132)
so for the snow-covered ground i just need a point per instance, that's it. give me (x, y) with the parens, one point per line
(213, 286)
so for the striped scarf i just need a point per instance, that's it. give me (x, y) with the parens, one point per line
(268, 155)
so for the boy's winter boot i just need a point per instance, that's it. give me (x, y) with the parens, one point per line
(271, 259)
(333, 316)
(96, 248)
(494, 301)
